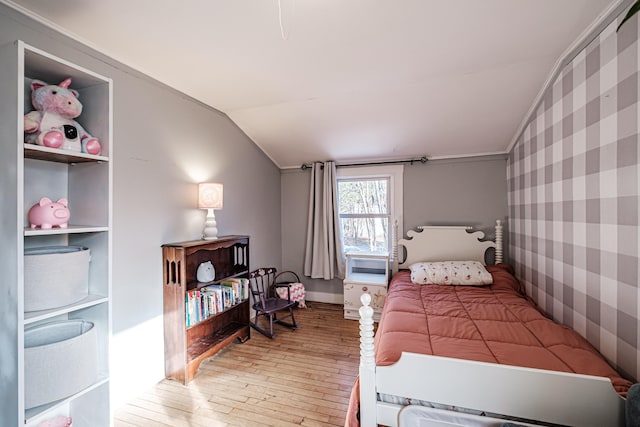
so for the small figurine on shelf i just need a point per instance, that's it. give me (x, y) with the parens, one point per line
(47, 214)
(52, 124)
(206, 272)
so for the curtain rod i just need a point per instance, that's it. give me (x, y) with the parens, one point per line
(422, 160)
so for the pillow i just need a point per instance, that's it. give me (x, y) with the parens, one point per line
(297, 292)
(470, 273)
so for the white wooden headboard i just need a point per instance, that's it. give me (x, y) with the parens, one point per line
(445, 243)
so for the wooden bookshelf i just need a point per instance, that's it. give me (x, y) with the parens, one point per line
(186, 347)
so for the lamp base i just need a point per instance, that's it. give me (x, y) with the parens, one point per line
(210, 231)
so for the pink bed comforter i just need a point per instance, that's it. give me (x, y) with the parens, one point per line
(495, 323)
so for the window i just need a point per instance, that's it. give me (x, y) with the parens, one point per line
(369, 202)
(364, 214)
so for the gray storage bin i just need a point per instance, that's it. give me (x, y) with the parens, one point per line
(60, 359)
(55, 276)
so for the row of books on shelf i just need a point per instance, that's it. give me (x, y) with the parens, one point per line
(208, 301)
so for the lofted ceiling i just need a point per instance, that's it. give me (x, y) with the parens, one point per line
(347, 80)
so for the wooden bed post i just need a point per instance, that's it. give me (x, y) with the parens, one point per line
(394, 250)
(368, 396)
(498, 242)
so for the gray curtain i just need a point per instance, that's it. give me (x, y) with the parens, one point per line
(323, 254)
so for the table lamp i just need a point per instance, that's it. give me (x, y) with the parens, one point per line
(210, 198)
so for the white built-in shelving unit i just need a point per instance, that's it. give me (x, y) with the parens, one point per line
(30, 172)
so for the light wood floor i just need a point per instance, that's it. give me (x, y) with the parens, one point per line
(301, 378)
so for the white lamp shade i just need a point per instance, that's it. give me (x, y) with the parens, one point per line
(210, 195)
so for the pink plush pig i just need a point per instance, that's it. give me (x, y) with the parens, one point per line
(60, 421)
(52, 123)
(47, 214)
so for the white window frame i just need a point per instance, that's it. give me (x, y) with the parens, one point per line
(395, 174)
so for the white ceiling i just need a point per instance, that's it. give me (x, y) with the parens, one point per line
(348, 80)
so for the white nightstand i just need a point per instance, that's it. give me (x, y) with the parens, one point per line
(365, 272)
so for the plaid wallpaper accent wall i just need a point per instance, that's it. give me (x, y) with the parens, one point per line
(573, 193)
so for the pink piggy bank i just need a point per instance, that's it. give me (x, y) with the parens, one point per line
(47, 214)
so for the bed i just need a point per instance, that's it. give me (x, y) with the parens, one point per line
(474, 355)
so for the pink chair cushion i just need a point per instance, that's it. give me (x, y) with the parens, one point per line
(297, 293)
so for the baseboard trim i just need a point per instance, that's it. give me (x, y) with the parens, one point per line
(324, 297)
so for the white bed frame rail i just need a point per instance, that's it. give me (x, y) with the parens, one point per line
(533, 394)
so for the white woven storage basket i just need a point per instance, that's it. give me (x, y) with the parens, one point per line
(60, 359)
(55, 276)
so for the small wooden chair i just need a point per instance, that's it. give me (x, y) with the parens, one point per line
(266, 301)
